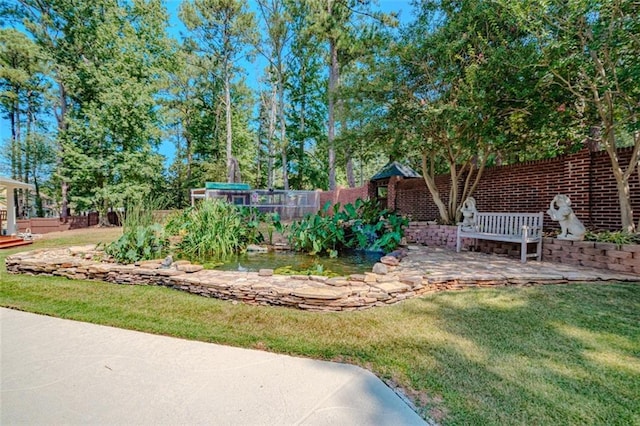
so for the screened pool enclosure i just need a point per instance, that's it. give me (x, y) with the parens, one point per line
(288, 204)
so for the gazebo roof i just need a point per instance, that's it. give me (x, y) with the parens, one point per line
(10, 183)
(395, 169)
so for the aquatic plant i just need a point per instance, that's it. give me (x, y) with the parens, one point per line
(142, 237)
(362, 226)
(214, 229)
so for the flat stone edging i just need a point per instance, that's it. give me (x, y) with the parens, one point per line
(394, 281)
(318, 293)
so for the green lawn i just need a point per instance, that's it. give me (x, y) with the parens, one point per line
(535, 355)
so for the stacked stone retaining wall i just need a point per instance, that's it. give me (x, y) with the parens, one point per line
(431, 234)
(424, 269)
(620, 258)
(317, 293)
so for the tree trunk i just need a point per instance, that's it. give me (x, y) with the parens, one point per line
(61, 118)
(39, 209)
(187, 141)
(229, 136)
(28, 151)
(622, 176)
(283, 127)
(104, 214)
(64, 204)
(331, 131)
(604, 98)
(626, 212)
(622, 184)
(433, 189)
(270, 139)
(449, 212)
(471, 182)
(16, 160)
(301, 128)
(285, 173)
(452, 206)
(351, 179)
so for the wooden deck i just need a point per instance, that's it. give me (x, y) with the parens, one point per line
(10, 242)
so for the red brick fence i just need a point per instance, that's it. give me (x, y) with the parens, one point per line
(40, 225)
(586, 177)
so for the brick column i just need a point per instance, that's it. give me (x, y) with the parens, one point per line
(391, 192)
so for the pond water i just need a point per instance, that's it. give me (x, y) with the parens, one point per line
(355, 262)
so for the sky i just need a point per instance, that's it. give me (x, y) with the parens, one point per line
(253, 70)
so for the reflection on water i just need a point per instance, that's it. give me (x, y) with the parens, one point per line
(355, 262)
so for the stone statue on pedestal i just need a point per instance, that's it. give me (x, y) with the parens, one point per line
(570, 226)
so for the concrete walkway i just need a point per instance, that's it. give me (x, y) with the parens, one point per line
(56, 371)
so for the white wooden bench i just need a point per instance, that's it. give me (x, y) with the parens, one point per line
(523, 228)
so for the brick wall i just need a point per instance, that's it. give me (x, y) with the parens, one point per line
(604, 194)
(414, 199)
(344, 195)
(529, 187)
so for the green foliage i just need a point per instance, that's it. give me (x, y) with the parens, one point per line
(213, 229)
(221, 31)
(139, 243)
(108, 60)
(252, 218)
(29, 153)
(617, 237)
(464, 93)
(590, 50)
(317, 233)
(362, 226)
(142, 238)
(273, 223)
(306, 91)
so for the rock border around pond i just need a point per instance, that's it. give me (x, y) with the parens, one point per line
(318, 293)
(423, 270)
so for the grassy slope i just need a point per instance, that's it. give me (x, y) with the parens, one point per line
(535, 355)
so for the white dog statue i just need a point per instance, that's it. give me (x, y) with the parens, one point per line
(570, 226)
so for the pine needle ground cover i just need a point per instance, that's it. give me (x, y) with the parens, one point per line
(535, 355)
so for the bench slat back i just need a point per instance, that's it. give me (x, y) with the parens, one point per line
(509, 223)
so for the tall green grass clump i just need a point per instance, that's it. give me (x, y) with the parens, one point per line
(142, 237)
(212, 230)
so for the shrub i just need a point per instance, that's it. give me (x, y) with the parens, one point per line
(317, 233)
(139, 243)
(616, 237)
(362, 225)
(142, 238)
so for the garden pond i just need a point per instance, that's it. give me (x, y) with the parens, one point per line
(289, 262)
